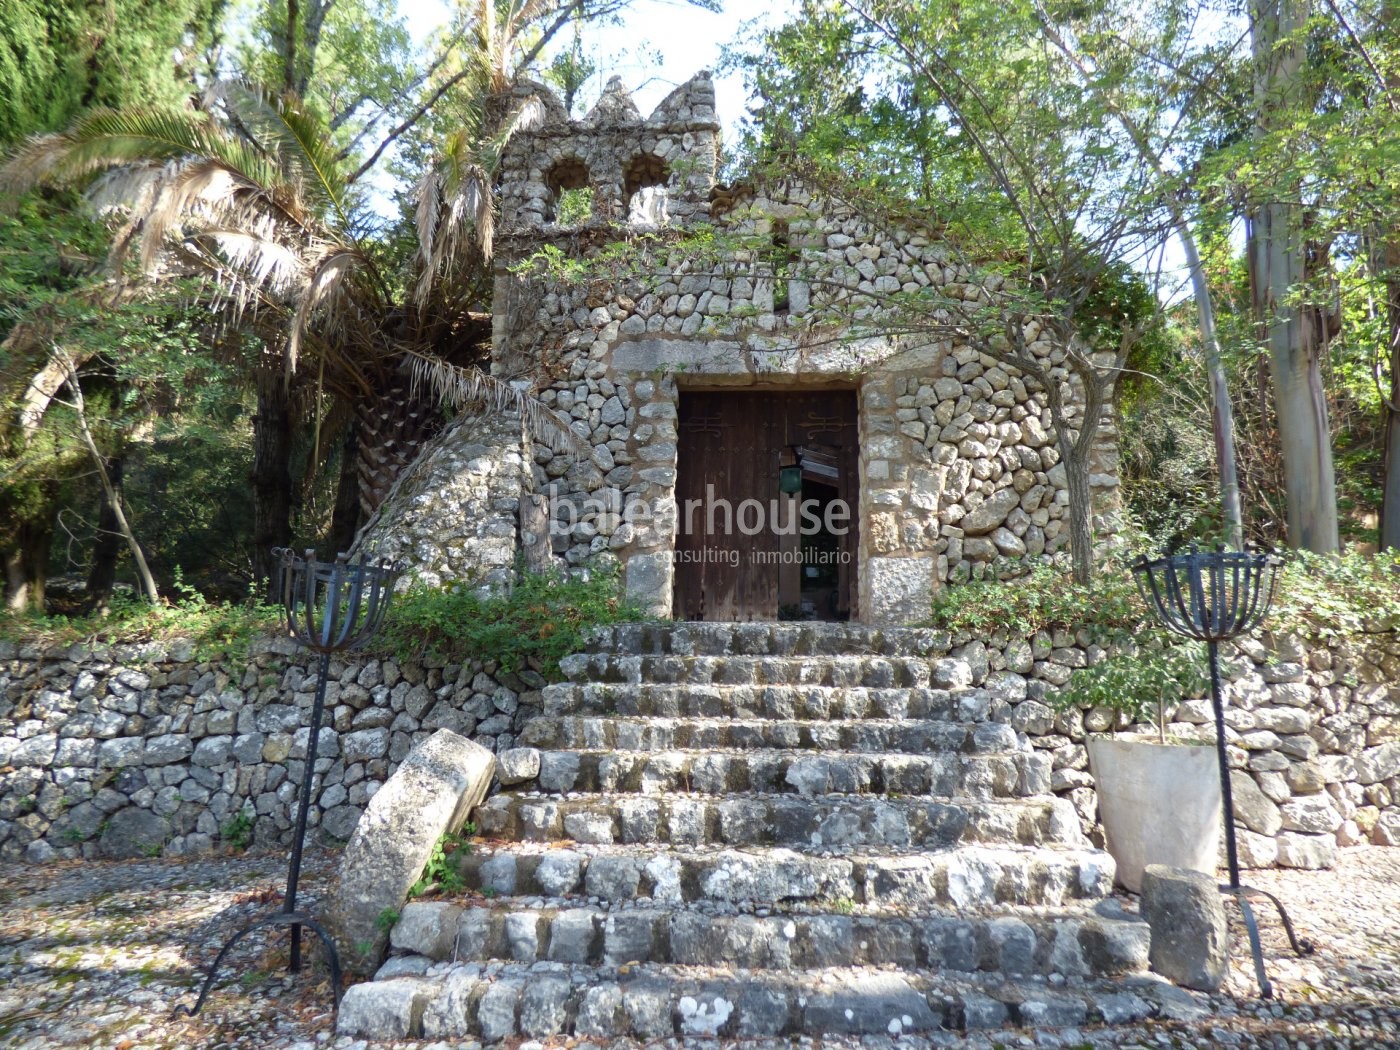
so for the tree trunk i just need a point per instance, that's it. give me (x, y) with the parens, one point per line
(1081, 531)
(1222, 415)
(392, 429)
(27, 562)
(272, 474)
(107, 545)
(1390, 498)
(1278, 269)
(345, 518)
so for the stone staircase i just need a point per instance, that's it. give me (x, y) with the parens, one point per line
(768, 829)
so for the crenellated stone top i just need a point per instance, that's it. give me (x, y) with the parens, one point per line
(648, 171)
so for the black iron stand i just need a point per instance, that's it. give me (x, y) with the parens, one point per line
(1234, 888)
(288, 915)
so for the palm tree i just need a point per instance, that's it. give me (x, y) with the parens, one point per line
(255, 202)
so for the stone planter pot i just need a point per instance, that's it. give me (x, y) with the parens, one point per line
(1159, 803)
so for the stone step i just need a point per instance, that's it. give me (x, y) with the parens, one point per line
(772, 701)
(494, 1002)
(766, 639)
(873, 672)
(1103, 941)
(1017, 774)
(910, 736)
(789, 820)
(970, 876)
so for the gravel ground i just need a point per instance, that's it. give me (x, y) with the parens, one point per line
(98, 954)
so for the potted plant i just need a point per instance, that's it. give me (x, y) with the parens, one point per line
(1159, 799)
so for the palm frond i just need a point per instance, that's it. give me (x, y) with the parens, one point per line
(326, 288)
(106, 138)
(462, 387)
(299, 139)
(455, 198)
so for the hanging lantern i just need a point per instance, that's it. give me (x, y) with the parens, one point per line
(790, 480)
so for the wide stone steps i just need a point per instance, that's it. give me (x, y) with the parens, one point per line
(766, 639)
(872, 672)
(1016, 774)
(969, 876)
(751, 819)
(746, 830)
(809, 702)
(1101, 942)
(912, 736)
(494, 1002)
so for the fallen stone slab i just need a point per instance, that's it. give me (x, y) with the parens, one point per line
(434, 789)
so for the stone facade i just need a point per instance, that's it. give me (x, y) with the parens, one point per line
(959, 466)
(139, 749)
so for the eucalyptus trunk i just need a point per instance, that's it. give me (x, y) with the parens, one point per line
(27, 561)
(1222, 415)
(1278, 272)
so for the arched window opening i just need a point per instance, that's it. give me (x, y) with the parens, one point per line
(644, 180)
(570, 194)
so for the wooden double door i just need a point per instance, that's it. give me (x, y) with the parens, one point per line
(767, 499)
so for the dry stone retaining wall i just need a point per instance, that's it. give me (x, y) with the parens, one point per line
(130, 750)
(123, 750)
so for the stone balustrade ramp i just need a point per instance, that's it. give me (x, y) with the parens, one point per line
(765, 830)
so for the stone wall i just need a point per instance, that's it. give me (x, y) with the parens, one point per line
(1313, 734)
(959, 466)
(123, 750)
(454, 515)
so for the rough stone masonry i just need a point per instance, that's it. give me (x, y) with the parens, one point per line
(127, 750)
(958, 465)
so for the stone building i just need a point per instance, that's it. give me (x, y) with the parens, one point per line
(760, 447)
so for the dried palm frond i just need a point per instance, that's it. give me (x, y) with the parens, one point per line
(106, 138)
(456, 207)
(328, 291)
(463, 387)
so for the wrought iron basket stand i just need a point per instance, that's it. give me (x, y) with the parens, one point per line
(330, 607)
(1213, 596)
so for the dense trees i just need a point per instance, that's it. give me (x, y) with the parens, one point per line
(344, 332)
(1189, 123)
(1203, 195)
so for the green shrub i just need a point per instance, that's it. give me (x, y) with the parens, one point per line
(442, 871)
(219, 630)
(1044, 599)
(237, 831)
(1139, 681)
(541, 620)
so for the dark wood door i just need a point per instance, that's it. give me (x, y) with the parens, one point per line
(730, 447)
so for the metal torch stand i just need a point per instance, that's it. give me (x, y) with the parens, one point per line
(1234, 887)
(288, 915)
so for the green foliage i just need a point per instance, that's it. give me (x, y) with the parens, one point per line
(1330, 596)
(1043, 600)
(443, 872)
(219, 630)
(58, 57)
(541, 620)
(575, 206)
(237, 831)
(1147, 668)
(386, 919)
(1139, 681)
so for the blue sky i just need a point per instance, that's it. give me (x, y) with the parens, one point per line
(660, 44)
